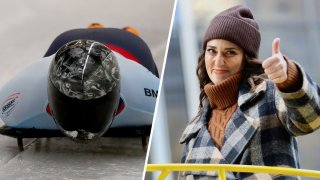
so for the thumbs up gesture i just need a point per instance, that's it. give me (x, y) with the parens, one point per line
(275, 66)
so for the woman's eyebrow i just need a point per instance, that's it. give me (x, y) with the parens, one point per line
(228, 48)
(225, 49)
(210, 46)
(231, 48)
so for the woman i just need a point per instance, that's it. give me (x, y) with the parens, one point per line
(249, 112)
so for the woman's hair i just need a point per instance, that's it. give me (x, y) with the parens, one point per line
(252, 67)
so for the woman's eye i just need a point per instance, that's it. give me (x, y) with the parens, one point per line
(211, 51)
(230, 53)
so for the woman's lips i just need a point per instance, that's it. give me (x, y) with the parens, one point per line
(219, 71)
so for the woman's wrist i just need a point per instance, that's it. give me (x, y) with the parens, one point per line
(294, 78)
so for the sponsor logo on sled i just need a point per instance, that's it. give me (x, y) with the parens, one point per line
(9, 105)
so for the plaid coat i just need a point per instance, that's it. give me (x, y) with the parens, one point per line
(261, 132)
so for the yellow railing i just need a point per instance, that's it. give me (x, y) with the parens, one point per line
(166, 169)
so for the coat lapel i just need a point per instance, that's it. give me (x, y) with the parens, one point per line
(238, 133)
(204, 149)
(241, 128)
(246, 95)
(196, 124)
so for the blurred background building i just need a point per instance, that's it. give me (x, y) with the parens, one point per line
(294, 21)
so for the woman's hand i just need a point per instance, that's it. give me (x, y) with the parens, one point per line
(275, 66)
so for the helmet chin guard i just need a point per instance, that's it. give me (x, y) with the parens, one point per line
(83, 88)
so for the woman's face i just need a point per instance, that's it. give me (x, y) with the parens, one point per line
(223, 59)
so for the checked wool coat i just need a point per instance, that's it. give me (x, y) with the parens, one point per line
(262, 131)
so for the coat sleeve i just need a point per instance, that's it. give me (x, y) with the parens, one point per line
(299, 111)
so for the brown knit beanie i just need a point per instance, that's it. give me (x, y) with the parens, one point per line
(238, 26)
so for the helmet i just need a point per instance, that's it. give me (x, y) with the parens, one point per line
(83, 89)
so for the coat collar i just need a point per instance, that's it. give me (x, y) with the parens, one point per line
(197, 123)
(238, 132)
(246, 95)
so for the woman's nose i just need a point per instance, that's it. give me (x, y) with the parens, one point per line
(219, 59)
